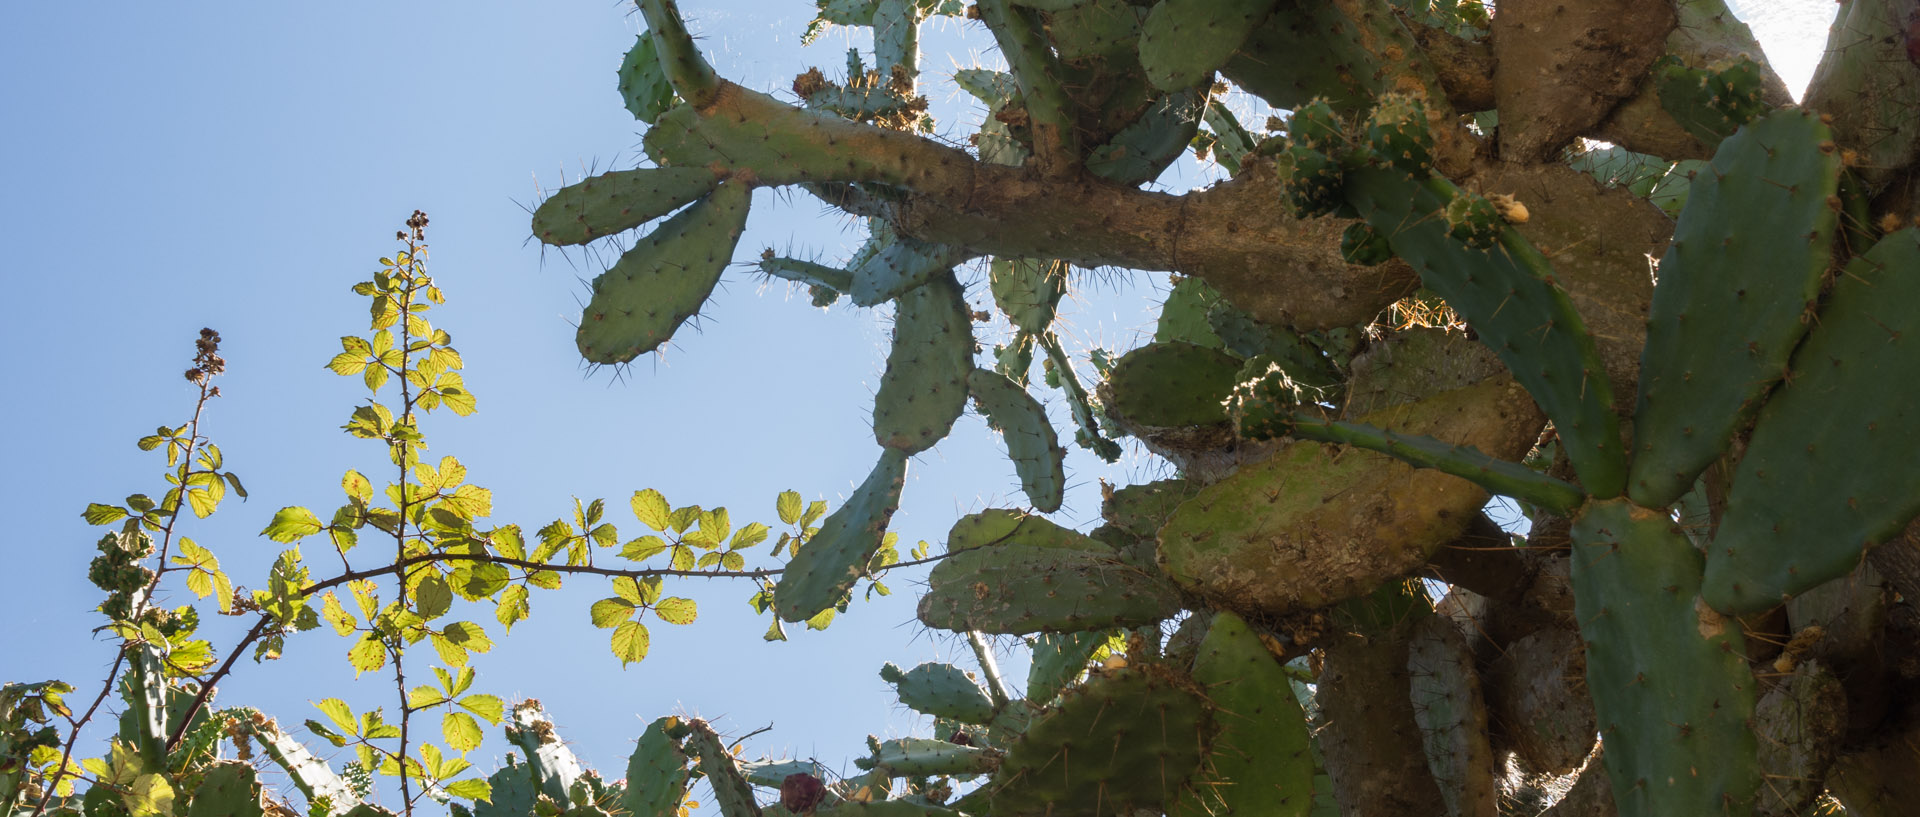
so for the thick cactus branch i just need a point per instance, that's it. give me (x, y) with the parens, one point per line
(1495, 475)
(689, 72)
(1056, 144)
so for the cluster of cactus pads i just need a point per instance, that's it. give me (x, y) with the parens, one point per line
(1680, 536)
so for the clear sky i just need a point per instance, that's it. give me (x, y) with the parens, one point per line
(241, 165)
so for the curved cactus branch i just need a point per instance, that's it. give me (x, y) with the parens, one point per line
(689, 72)
(1056, 145)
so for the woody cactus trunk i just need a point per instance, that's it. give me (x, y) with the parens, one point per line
(1682, 306)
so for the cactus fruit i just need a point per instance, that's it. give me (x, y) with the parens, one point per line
(1309, 182)
(1397, 134)
(1031, 443)
(1668, 675)
(1170, 384)
(1261, 762)
(1473, 221)
(826, 567)
(940, 690)
(924, 388)
(1182, 42)
(643, 82)
(1126, 740)
(1840, 416)
(1362, 244)
(1509, 298)
(663, 279)
(657, 770)
(1747, 258)
(618, 201)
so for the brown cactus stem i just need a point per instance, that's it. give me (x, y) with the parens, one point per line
(1366, 702)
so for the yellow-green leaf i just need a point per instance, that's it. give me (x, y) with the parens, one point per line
(788, 505)
(513, 606)
(472, 788)
(676, 610)
(424, 695)
(343, 622)
(643, 548)
(432, 598)
(461, 731)
(292, 524)
(337, 711)
(650, 507)
(367, 655)
(609, 613)
(347, 363)
(630, 642)
(488, 707)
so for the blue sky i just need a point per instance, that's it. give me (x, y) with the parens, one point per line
(241, 165)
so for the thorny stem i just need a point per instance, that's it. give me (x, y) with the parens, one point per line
(405, 449)
(66, 752)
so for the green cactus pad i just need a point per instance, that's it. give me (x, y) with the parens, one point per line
(1711, 103)
(1003, 526)
(1262, 406)
(1078, 401)
(643, 81)
(553, 764)
(1249, 338)
(1126, 740)
(940, 690)
(311, 776)
(1027, 290)
(807, 272)
(1501, 476)
(924, 389)
(1144, 149)
(917, 757)
(1326, 59)
(1020, 587)
(1748, 256)
(1182, 42)
(1031, 442)
(1184, 314)
(1669, 676)
(730, 790)
(1141, 509)
(1170, 384)
(829, 563)
(618, 201)
(663, 279)
(1262, 761)
(679, 58)
(1452, 714)
(1315, 524)
(898, 267)
(1510, 299)
(657, 770)
(1845, 416)
(228, 790)
(781, 144)
(1058, 661)
(513, 793)
(1397, 133)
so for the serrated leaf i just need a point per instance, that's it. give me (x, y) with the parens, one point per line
(460, 731)
(630, 643)
(343, 622)
(472, 788)
(432, 598)
(488, 707)
(348, 363)
(513, 606)
(788, 506)
(643, 548)
(291, 524)
(682, 557)
(609, 613)
(753, 534)
(676, 610)
(367, 655)
(683, 518)
(98, 514)
(733, 561)
(650, 507)
(337, 711)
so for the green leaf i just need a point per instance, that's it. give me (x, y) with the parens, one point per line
(233, 481)
(347, 363)
(207, 498)
(449, 651)
(609, 613)
(292, 524)
(488, 707)
(330, 609)
(630, 643)
(754, 533)
(627, 588)
(357, 486)
(425, 695)
(468, 635)
(432, 598)
(365, 597)
(682, 557)
(98, 514)
(461, 731)
(676, 610)
(650, 507)
(683, 518)
(733, 561)
(337, 711)
(815, 510)
(355, 344)
(788, 505)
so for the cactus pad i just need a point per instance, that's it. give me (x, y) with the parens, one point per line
(1127, 740)
(940, 690)
(228, 790)
(1309, 182)
(1398, 134)
(1182, 42)
(616, 201)
(924, 389)
(643, 81)
(1364, 245)
(1058, 661)
(829, 563)
(1027, 290)
(730, 789)
(1843, 416)
(663, 279)
(657, 770)
(1748, 256)
(1170, 384)
(1669, 676)
(1045, 586)
(1031, 442)
(918, 757)
(1262, 761)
